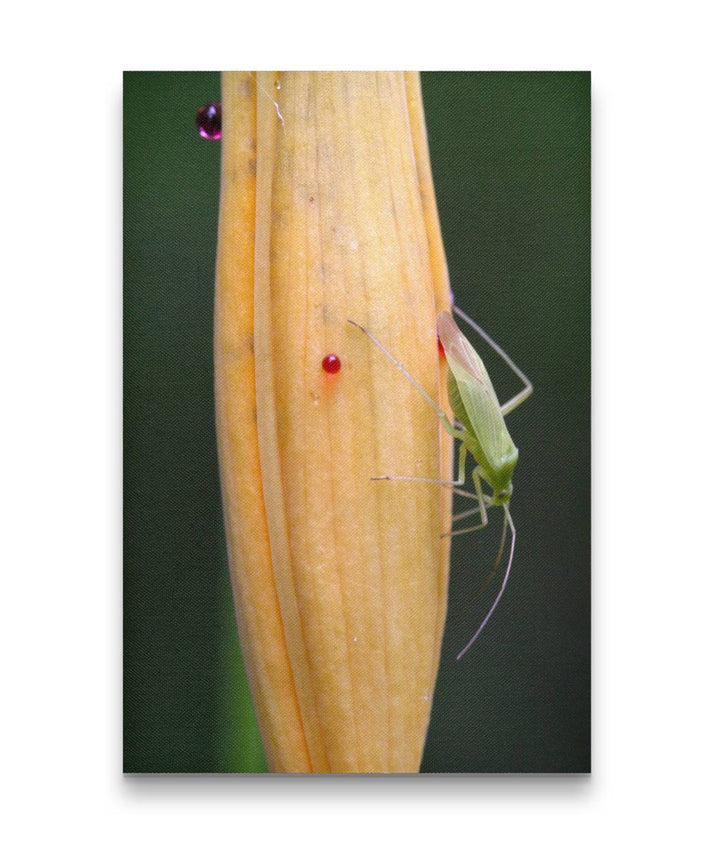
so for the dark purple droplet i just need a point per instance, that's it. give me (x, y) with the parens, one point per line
(209, 121)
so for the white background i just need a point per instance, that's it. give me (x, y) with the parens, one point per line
(655, 564)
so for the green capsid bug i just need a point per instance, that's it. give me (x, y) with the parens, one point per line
(480, 427)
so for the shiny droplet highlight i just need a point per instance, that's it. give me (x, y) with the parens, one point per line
(209, 121)
(331, 364)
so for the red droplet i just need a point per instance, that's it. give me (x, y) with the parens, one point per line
(441, 350)
(331, 364)
(209, 121)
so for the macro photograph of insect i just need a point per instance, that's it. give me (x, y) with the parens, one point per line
(357, 422)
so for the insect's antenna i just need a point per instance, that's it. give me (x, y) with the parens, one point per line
(494, 345)
(402, 368)
(508, 522)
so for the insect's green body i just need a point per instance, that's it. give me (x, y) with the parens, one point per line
(476, 406)
(498, 473)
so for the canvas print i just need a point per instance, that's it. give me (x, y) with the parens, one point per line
(356, 422)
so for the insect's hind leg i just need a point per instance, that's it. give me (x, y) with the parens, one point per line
(518, 399)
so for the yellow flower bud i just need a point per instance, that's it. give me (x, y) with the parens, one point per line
(340, 582)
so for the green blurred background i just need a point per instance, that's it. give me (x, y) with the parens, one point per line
(511, 161)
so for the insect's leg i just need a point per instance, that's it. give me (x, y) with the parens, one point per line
(446, 421)
(483, 501)
(462, 455)
(465, 493)
(476, 474)
(464, 514)
(508, 522)
(518, 399)
(454, 532)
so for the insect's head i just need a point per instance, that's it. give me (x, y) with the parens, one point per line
(501, 477)
(501, 496)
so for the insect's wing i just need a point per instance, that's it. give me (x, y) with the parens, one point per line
(477, 393)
